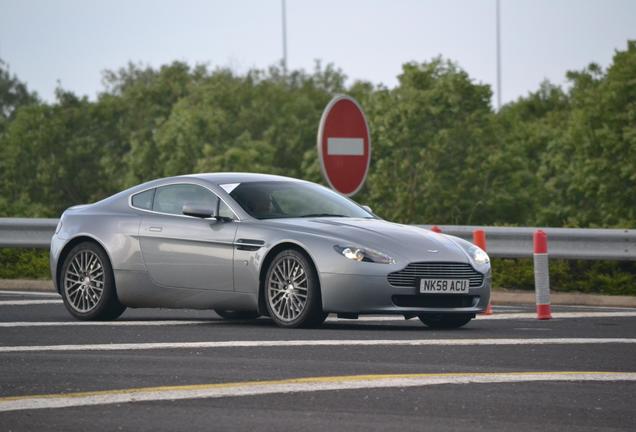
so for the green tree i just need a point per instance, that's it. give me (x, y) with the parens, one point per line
(591, 170)
(526, 129)
(51, 156)
(13, 94)
(431, 134)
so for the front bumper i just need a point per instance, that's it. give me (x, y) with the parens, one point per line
(358, 294)
(57, 244)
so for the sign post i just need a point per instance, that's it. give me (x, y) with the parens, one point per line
(344, 145)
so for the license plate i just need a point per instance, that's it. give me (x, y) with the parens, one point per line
(444, 286)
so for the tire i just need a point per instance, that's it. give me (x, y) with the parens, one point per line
(445, 321)
(81, 281)
(292, 291)
(236, 315)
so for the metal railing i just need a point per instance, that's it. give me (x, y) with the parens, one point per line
(567, 243)
(26, 232)
(502, 242)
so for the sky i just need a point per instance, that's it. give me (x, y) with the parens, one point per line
(47, 43)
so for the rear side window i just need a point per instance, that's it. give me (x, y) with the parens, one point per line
(143, 200)
(170, 199)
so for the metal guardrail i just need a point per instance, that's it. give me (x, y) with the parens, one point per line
(568, 243)
(502, 242)
(26, 232)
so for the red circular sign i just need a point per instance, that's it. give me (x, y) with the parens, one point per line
(344, 145)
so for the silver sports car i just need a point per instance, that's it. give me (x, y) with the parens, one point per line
(251, 244)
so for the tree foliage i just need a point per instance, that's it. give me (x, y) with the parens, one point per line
(441, 154)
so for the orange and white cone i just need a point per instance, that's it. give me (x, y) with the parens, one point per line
(542, 275)
(479, 240)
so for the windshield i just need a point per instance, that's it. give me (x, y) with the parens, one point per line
(280, 199)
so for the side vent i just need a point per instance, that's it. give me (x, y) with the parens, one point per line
(249, 244)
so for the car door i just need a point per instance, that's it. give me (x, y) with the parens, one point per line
(184, 251)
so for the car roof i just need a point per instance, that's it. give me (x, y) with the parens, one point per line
(236, 177)
(216, 179)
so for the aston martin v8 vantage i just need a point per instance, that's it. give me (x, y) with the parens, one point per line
(246, 245)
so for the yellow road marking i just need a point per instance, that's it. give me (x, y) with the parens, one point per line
(307, 380)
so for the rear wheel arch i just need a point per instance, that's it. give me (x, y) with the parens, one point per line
(67, 248)
(88, 290)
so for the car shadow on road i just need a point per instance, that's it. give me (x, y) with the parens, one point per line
(367, 326)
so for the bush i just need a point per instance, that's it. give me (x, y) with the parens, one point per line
(598, 277)
(24, 264)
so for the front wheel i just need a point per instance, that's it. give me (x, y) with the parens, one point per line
(445, 321)
(87, 284)
(292, 291)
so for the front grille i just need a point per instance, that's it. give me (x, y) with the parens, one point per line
(435, 300)
(408, 276)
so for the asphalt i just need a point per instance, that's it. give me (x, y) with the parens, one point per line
(531, 405)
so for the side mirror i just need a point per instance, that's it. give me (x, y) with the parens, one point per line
(198, 211)
(367, 208)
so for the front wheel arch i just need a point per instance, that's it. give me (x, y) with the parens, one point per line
(262, 307)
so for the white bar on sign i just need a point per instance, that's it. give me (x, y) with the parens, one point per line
(345, 146)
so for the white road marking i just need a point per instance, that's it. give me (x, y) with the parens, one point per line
(299, 385)
(30, 293)
(364, 319)
(559, 315)
(104, 323)
(498, 316)
(310, 343)
(28, 302)
(593, 307)
(345, 147)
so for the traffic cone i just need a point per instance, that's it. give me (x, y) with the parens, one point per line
(479, 239)
(542, 275)
(488, 310)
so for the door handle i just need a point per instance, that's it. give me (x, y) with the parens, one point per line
(155, 229)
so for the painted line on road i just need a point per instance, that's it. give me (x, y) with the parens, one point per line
(29, 293)
(558, 315)
(314, 343)
(338, 320)
(28, 302)
(514, 315)
(296, 385)
(105, 323)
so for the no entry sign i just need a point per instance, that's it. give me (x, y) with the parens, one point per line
(344, 145)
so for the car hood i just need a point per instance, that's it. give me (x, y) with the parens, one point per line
(406, 242)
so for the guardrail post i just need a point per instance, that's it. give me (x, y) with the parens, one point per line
(542, 275)
(436, 229)
(479, 240)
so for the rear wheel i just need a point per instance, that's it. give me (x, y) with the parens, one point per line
(87, 284)
(445, 321)
(235, 315)
(292, 292)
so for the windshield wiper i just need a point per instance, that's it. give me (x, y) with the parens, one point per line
(322, 215)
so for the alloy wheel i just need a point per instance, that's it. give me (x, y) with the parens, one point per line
(84, 281)
(287, 288)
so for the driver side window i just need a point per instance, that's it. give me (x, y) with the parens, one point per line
(170, 199)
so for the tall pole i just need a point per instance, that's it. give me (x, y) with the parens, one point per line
(498, 57)
(284, 37)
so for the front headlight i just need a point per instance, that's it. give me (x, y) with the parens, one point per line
(364, 254)
(478, 255)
